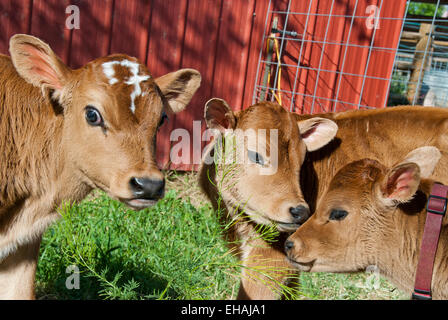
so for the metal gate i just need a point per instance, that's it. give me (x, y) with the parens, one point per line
(420, 73)
(328, 55)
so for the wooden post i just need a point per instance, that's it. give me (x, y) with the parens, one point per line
(419, 66)
(267, 69)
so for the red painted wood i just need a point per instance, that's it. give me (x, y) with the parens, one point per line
(203, 17)
(48, 24)
(91, 40)
(15, 17)
(130, 30)
(257, 28)
(231, 56)
(165, 55)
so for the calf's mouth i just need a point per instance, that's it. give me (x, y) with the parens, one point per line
(286, 226)
(139, 204)
(301, 266)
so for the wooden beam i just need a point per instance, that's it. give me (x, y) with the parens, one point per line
(419, 62)
(404, 65)
(411, 35)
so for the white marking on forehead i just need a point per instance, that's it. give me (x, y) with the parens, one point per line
(109, 71)
(135, 79)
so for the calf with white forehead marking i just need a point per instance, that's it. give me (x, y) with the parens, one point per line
(65, 132)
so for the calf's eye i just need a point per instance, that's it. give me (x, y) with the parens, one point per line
(255, 157)
(93, 116)
(338, 214)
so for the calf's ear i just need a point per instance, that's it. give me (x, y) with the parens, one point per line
(401, 182)
(179, 87)
(317, 132)
(37, 63)
(426, 158)
(218, 115)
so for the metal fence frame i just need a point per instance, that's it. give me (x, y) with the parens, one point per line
(394, 78)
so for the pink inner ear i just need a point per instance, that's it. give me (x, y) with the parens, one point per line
(41, 67)
(309, 132)
(400, 182)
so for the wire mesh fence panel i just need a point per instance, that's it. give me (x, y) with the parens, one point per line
(420, 69)
(333, 55)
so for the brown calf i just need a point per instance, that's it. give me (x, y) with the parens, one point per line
(64, 132)
(372, 215)
(261, 199)
(386, 135)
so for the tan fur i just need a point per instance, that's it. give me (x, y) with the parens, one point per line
(50, 155)
(386, 135)
(392, 133)
(383, 227)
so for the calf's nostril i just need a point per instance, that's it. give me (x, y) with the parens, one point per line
(136, 184)
(146, 188)
(289, 245)
(300, 213)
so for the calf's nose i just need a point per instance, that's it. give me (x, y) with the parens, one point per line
(145, 188)
(300, 213)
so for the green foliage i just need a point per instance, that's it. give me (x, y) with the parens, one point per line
(171, 251)
(398, 88)
(424, 9)
(348, 286)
